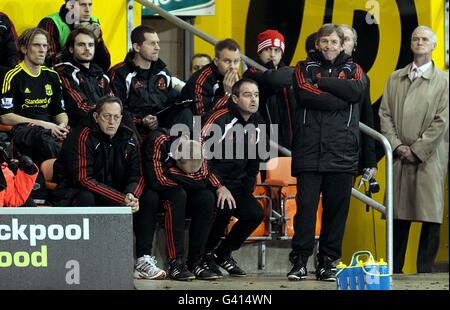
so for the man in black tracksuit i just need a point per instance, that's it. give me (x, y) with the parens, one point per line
(238, 124)
(277, 101)
(144, 85)
(329, 87)
(210, 86)
(83, 81)
(100, 162)
(176, 170)
(100, 165)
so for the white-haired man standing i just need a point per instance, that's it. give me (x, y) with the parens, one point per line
(414, 117)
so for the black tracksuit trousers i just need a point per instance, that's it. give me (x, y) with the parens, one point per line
(249, 214)
(144, 221)
(336, 191)
(176, 203)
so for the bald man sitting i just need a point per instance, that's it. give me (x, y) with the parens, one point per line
(175, 169)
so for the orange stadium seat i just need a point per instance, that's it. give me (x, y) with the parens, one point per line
(263, 231)
(284, 190)
(5, 128)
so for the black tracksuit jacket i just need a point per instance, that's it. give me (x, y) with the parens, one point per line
(326, 134)
(9, 53)
(82, 87)
(142, 92)
(277, 100)
(205, 87)
(90, 160)
(236, 174)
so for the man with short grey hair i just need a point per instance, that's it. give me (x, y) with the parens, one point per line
(414, 115)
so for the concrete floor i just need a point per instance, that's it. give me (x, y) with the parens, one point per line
(264, 281)
(274, 275)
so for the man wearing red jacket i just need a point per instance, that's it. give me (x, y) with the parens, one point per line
(15, 188)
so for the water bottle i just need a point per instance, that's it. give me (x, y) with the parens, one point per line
(342, 276)
(359, 275)
(351, 274)
(372, 275)
(385, 277)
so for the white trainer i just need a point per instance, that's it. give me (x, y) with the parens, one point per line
(145, 268)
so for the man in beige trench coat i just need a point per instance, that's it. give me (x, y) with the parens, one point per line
(414, 115)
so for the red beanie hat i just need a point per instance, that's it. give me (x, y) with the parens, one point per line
(270, 38)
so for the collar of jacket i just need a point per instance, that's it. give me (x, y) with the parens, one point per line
(234, 110)
(93, 70)
(428, 75)
(215, 70)
(270, 64)
(317, 56)
(155, 67)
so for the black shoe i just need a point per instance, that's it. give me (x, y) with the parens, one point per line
(230, 265)
(178, 271)
(202, 273)
(326, 270)
(293, 257)
(298, 271)
(210, 263)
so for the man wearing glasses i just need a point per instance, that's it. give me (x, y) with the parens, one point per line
(100, 165)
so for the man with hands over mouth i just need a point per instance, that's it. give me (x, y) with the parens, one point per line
(211, 86)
